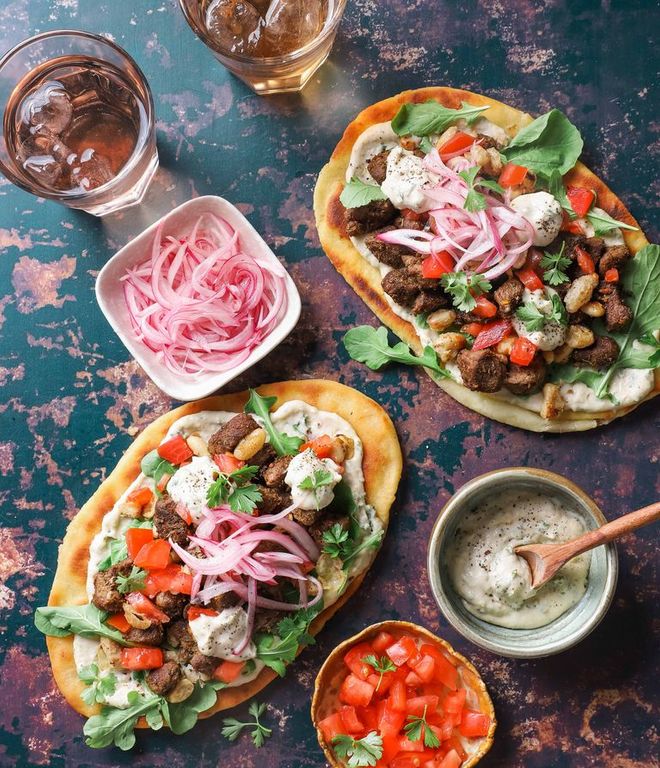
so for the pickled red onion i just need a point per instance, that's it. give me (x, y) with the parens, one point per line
(200, 301)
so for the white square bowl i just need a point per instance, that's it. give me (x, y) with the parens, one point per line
(110, 296)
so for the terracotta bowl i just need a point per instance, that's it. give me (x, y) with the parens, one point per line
(333, 672)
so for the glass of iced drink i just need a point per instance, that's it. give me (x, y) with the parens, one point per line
(78, 124)
(274, 46)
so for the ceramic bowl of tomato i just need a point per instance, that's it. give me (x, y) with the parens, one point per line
(397, 696)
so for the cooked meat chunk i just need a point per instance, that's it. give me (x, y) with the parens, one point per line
(509, 296)
(272, 500)
(181, 638)
(601, 354)
(171, 604)
(106, 595)
(482, 370)
(263, 457)
(306, 516)
(203, 663)
(267, 621)
(228, 600)
(613, 258)
(402, 286)
(403, 222)
(487, 142)
(366, 218)
(326, 522)
(153, 635)
(618, 314)
(377, 166)
(595, 246)
(387, 253)
(163, 679)
(572, 242)
(275, 472)
(412, 259)
(168, 524)
(525, 379)
(429, 301)
(230, 434)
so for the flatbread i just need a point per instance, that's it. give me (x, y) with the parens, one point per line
(365, 279)
(381, 465)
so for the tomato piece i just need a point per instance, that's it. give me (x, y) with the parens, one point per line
(612, 275)
(454, 702)
(415, 706)
(227, 462)
(390, 747)
(492, 333)
(331, 726)
(457, 143)
(474, 724)
(369, 717)
(438, 264)
(584, 260)
(321, 446)
(512, 175)
(581, 199)
(118, 621)
(171, 579)
(141, 658)
(356, 692)
(382, 641)
(146, 608)
(228, 671)
(136, 538)
(529, 279)
(402, 650)
(445, 672)
(351, 721)
(184, 513)
(398, 698)
(484, 308)
(451, 760)
(381, 684)
(354, 660)
(195, 611)
(175, 450)
(425, 669)
(474, 329)
(455, 743)
(140, 497)
(523, 351)
(408, 213)
(390, 720)
(154, 554)
(570, 225)
(413, 680)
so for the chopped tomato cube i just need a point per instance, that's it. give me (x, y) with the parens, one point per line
(585, 262)
(454, 702)
(451, 760)
(512, 175)
(331, 726)
(390, 720)
(382, 684)
(175, 450)
(438, 264)
(140, 497)
(350, 719)
(492, 333)
(382, 641)
(195, 611)
(398, 696)
(445, 672)
(354, 660)
(369, 717)
(141, 658)
(228, 671)
(356, 692)
(170, 579)
(414, 759)
(390, 747)
(321, 446)
(136, 538)
(459, 142)
(455, 743)
(402, 650)
(227, 462)
(484, 308)
(612, 275)
(415, 706)
(523, 351)
(569, 225)
(425, 668)
(144, 607)
(408, 213)
(154, 554)
(474, 724)
(529, 279)
(118, 621)
(581, 199)
(413, 679)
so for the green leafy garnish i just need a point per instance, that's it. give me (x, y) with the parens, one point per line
(318, 479)
(99, 686)
(83, 620)
(134, 582)
(339, 543)
(534, 320)
(462, 287)
(418, 726)
(235, 489)
(430, 117)
(604, 223)
(382, 665)
(475, 201)
(117, 547)
(359, 752)
(358, 193)
(425, 145)
(233, 728)
(555, 184)
(298, 624)
(276, 652)
(370, 346)
(284, 445)
(152, 465)
(554, 265)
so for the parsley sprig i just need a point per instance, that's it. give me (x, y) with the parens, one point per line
(360, 752)
(99, 686)
(418, 727)
(338, 542)
(476, 201)
(534, 320)
(382, 665)
(462, 288)
(259, 732)
(554, 265)
(318, 479)
(236, 490)
(134, 582)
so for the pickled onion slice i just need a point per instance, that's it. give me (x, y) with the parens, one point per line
(200, 301)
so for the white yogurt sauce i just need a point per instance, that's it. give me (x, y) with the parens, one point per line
(543, 212)
(219, 635)
(188, 486)
(493, 582)
(552, 334)
(305, 467)
(406, 179)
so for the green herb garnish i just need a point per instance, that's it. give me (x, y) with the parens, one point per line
(283, 444)
(259, 733)
(99, 686)
(382, 665)
(462, 287)
(134, 582)
(418, 726)
(358, 193)
(431, 117)
(554, 265)
(84, 620)
(235, 489)
(476, 201)
(362, 752)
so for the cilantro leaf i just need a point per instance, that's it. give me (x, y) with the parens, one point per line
(431, 117)
(559, 313)
(531, 316)
(382, 665)
(244, 498)
(366, 751)
(284, 445)
(134, 582)
(318, 479)
(358, 193)
(418, 726)
(84, 620)
(277, 652)
(604, 223)
(99, 686)
(462, 287)
(370, 346)
(554, 265)
(235, 490)
(336, 541)
(259, 732)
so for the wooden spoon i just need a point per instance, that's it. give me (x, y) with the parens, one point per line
(545, 560)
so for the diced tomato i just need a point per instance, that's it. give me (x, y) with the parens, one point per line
(530, 279)
(523, 351)
(455, 743)
(369, 717)
(474, 329)
(146, 608)
(445, 672)
(484, 308)
(390, 747)
(414, 759)
(570, 225)
(382, 684)
(118, 621)
(492, 333)
(390, 720)
(425, 668)
(413, 679)
(612, 275)
(140, 497)
(354, 660)
(474, 724)
(408, 213)
(356, 692)
(398, 696)
(171, 579)
(321, 446)
(228, 671)
(161, 485)
(331, 726)
(175, 450)
(136, 538)
(227, 463)
(195, 611)
(351, 721)
(584, 260)
(141, 658)
(512, 175)
(454, 702)
(438, 264)
(451, 760)
(456, 143)
(581, 199)
(154, 554)
(416, 705)
(402, 650)
(184, 513)
(382, 641)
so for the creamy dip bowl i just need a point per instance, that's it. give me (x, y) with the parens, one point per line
(566, 630)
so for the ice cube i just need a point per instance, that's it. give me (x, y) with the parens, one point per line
(48, 107)
(44, 156)
(234, 24)
(90, 170)
(291, 24)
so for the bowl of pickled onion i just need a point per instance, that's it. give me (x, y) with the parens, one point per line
(198, 298)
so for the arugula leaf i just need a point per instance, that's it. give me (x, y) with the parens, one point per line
(425, 145)
(475, 201)
(461, 288)
(554, 265)
(382, 665)
(555, 184)
(134, 582)
(99, 686)
(83, 620)
(318, 479)
(417, 726)
(549, 143)
(366, 751)
(277, 652)
(370, 346)
(183, 716)
(152, 465)
(233, 728)
(430, 117)
(116, 726)
(559, 313)
(604, 223)
(284, 445)
(358, 193)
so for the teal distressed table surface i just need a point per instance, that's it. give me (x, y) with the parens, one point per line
(71, 399)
